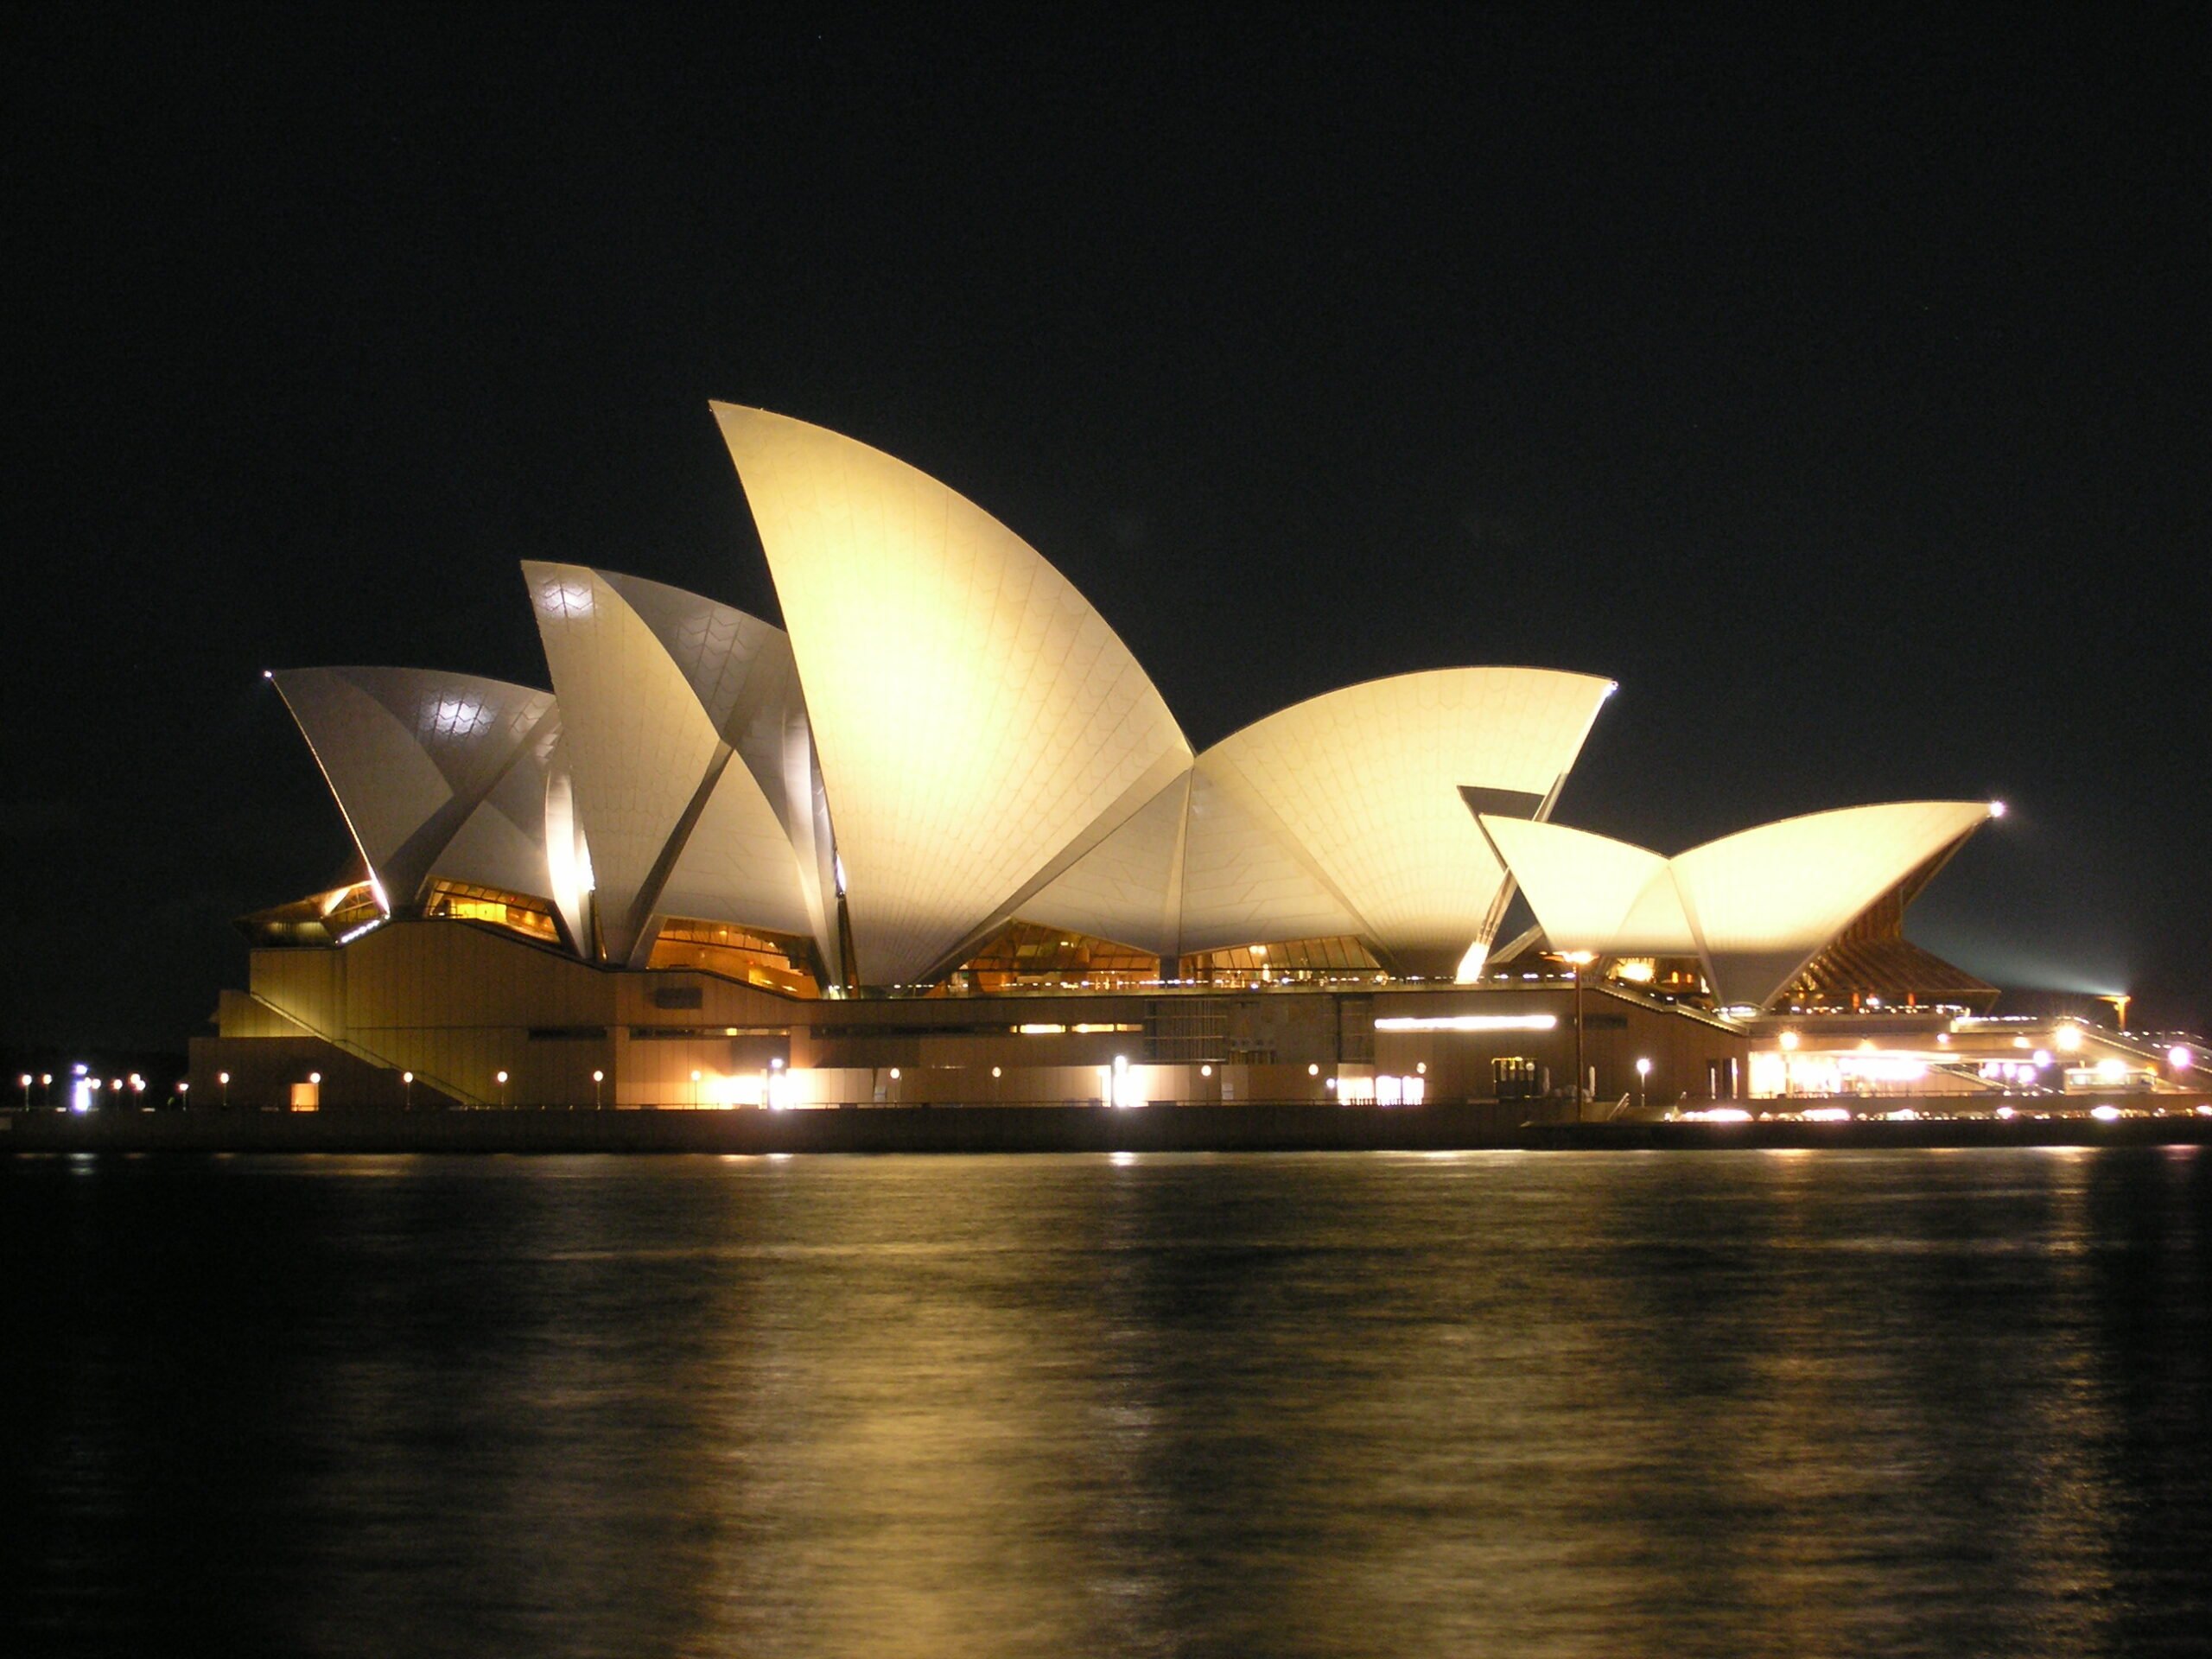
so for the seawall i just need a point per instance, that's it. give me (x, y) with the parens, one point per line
(1285, 1126)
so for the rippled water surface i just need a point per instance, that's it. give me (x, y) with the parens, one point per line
(1573, 1404)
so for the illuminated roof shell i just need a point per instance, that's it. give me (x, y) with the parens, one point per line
(670, 822)
(1755, 907)
(1346, 814)
(1366, 784)
(502, 845)
(980, 725)
(411, 755)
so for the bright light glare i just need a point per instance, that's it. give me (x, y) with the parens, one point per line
(1718, 1115)
(2104, 1113)
(1470, 1022)
(2180, 1058)
(565, 599)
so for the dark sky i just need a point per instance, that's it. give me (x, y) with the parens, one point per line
(1842, 391)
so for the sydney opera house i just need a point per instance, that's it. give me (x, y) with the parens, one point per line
(938, 839)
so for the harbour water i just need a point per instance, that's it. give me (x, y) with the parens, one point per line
(1627, 1403)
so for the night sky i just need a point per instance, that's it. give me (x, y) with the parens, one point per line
(1842, 392)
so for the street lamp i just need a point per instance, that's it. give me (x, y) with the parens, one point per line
(184, 1094)
(501, 1079)
(223, 1080)
(26, 1080)
(597, 1078)
(1642, 1076)
(407, 1091)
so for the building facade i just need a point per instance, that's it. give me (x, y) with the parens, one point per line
(940, 840)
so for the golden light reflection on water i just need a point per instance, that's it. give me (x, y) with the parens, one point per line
(1826, 1405)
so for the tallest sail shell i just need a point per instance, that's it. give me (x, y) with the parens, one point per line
(980, 725)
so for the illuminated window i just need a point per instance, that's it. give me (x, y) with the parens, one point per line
(515, 913)
(773, 961)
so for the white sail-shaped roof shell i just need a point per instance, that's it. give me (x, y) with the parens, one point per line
(1765, 901)
(1246, 880)
(980, 726)
(1367, 781)
(660, 803)
(1591, 893)
(1345, 814)
(502, 845)
(1128, 887)
(1754, 908)
(411, 755)
(746, 677)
